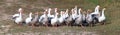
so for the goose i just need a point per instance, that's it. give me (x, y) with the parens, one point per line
(96, 12)
(18, 20)
(89, 18)
(61, 19)
(49, 13)
(73, 14)
(44, 19)
(68, 18)
(69, 21)
(71, 18)
(75, 10)
(78, 20)
(29, 19)
(84, 18)
(66, 14)
(35, 19)
(102, 17)
(54, 21)
(16, 15)
(42, 16)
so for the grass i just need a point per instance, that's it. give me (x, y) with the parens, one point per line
(112, 13)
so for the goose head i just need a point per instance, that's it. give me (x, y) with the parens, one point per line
(30, 12)
(66, 10)
(79, 11)
(46, 10)
(104, 8)
(63, 12)
(20, 10)
(49, 10)
(75, 7)
(55, 10)
(103, 11)
(98, 6)
(72, 11)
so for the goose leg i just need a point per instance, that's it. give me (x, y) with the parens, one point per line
(81, 25)
(102, 23)
(33, 25)
(52, 25)
(90, 24)
(67, 24)
(20, 23)
(46, 24)
(55, 25)
(29, 24)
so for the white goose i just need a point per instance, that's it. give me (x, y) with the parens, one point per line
(29, 19)
(55, 19)
(66, 17)
(75, 10)
(18, 20)
(79, 18)
(89, 18)
(16, 15)
(42, 16)
(61, 19)
(35, 20)
(44, 19)
(96, 12)
(102, 17)
(73, 14)
(79, 12)
(66, 14)
(49, 13)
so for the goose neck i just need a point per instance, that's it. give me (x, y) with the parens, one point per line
(79, 12)
(102, 12)
(61, 14)
(30, 15)
(20, 14)
(97, 9)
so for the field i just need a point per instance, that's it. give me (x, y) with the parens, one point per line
(10, 7)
